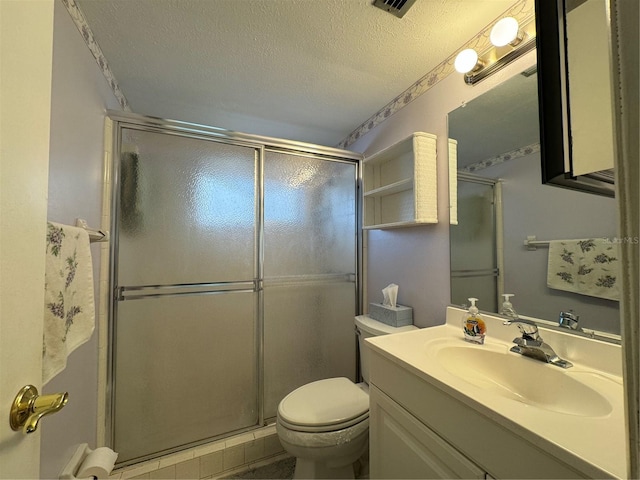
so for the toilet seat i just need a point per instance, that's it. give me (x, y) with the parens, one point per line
(323, 428)
(324, 406)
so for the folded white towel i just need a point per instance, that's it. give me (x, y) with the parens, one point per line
(588, 267)
(69, 310)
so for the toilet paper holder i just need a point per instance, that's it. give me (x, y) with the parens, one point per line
(97, 463)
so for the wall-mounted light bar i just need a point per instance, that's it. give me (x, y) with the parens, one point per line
(509, 41)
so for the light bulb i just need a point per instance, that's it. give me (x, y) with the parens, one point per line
(466, 61)
(504, 32)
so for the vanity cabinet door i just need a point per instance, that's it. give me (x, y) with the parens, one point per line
(403, 447)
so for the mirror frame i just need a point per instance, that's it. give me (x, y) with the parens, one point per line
(554, 111)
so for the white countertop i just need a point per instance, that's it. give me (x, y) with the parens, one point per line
(599, 438)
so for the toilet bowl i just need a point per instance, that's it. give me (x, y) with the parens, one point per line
(325, 424)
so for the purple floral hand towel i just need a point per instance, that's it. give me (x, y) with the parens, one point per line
(69, 310)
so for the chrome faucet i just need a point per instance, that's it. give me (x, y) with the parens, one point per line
(530, 344)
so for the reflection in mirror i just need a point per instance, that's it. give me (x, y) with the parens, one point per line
(475, 263)
(590, 90)
(501, 202)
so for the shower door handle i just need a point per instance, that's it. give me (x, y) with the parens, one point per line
(159, 291)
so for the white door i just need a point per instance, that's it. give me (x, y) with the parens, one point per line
(26, 40)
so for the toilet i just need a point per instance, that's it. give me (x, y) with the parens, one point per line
(325, 424)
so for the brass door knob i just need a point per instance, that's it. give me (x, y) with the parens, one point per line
(28, 408)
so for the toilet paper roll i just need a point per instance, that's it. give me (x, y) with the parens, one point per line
(98, 464)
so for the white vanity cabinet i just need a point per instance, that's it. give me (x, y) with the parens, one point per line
(406, 448)
(400, 184)
(420, 430)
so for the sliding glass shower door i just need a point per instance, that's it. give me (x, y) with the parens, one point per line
(185, 325)
(309, 272)
(235, 280)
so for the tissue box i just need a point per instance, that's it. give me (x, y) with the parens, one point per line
(397, 316)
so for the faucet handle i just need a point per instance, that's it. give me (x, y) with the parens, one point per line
(528, 329)
(569, 320)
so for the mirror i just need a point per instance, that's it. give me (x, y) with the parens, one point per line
(501, 202)
(575, 91)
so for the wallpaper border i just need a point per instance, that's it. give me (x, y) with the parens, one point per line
(83, 27)
(503, 157)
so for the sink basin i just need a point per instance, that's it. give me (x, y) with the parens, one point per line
(522, 379)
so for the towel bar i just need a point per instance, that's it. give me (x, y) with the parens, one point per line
(94, 235)
(532, 244)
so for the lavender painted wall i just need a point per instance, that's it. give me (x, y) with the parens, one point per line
(80, 97)
(417, 258)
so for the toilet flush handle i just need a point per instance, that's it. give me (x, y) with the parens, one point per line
(28, 408)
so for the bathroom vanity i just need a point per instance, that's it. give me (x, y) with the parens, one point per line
(445, 408)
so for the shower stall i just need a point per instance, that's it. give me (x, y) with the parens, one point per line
(235, 271)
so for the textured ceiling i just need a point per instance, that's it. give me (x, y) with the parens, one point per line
(308, 70)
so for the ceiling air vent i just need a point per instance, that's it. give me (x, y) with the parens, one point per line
(396, 7)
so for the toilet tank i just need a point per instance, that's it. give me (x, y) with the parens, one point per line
(368, 327)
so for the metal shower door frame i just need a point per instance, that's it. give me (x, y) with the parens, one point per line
(123, 120)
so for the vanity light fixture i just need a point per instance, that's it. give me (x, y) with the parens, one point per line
(509, 41)
(506, 32)
(468, 61)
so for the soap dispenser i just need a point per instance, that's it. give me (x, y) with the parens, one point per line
(473, 326)
(507, 307)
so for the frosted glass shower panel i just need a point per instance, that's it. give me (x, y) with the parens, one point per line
(474, 237)
(310, 265)
(474, 266)
(309, 215)
(185, 371)
(192, 197)
(308, 336)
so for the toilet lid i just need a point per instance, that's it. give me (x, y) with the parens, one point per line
(325, 402)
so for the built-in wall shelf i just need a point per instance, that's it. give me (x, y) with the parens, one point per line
(400, 184)
(396, 187)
